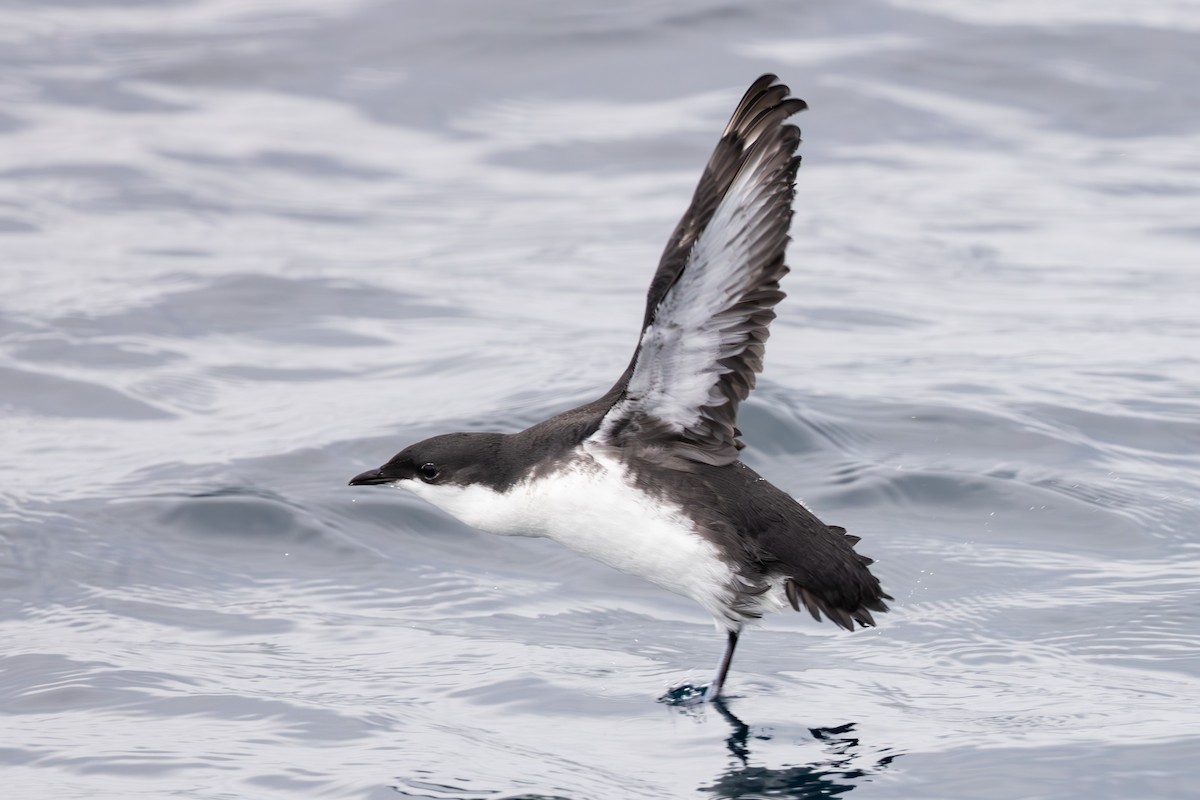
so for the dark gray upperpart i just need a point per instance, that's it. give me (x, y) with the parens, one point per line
(758, 527)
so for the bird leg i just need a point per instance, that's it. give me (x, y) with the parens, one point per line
(714, 689)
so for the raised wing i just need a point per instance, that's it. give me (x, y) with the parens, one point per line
(715, 290)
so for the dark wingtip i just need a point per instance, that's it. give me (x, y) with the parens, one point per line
(765, 101)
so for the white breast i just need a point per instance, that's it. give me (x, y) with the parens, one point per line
(593, 507)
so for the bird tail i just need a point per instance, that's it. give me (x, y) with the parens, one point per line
(848, 607)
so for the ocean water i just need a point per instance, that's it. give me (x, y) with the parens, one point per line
(250, 248)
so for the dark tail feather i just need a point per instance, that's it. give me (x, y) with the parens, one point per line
(850, 537)
(842, 617)
(793, 593)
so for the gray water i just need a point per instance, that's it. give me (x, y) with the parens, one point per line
(249, 249)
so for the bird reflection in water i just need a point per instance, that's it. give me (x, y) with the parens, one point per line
(842, 769)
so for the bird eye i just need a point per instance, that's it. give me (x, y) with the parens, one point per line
(429, 471)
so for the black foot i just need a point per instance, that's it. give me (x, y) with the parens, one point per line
(684, 695)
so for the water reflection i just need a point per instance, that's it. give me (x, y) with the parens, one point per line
(832, 776)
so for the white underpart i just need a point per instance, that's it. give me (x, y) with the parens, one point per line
(677, 370)
(593, 507)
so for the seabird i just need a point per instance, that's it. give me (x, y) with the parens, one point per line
(647, 478)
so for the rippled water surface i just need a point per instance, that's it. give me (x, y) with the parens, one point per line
(249, 249)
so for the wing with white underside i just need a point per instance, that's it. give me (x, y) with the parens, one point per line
(715, 291)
